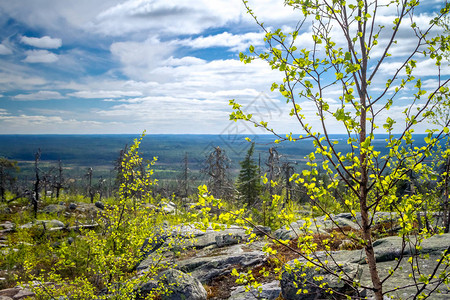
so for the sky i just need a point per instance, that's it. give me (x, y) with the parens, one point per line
(124, 66)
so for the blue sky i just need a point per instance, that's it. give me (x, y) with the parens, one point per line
(117, 66)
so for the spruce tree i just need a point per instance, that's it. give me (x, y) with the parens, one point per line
(249, 185)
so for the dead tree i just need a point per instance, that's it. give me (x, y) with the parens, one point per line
(58, 183)
(37, 183)
(217, 168)
(90, 188)
(184, 178)
(274, 171)
(288, 170)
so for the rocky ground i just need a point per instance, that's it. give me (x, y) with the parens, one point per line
(203, 260)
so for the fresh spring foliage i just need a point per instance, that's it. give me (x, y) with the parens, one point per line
(100, 263)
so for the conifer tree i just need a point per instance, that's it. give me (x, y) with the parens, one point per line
(249, 184)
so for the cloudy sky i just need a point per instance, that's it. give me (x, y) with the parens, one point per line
(122, 66)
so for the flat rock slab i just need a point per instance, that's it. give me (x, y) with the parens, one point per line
(44, 224)
(54, 209)
(270, 291)
(396, 284)
(387, 252)
(181, 286)
(319, 225)
(208, 264)
(16, 293)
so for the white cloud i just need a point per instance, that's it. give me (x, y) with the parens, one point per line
(138, 59)
(19, 77)
(41, 95)
(425, 67)
(37, 124)
(234, 42)
(5, 50)
(43, 42)
(104, 94)
(184, 61)
(166, 17)
(40, 56)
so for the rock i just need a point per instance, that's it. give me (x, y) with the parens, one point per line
(219, 238)
(181, 286)
(54, 209)
(82, 226)
(309, 279)
(22, 294)
(209, 264)
(228, 239)
(387, 250)
(16, 293)
(100, 205)
(195, 238)
(72, 206)
(45, 224)
(168, 208)
(5, 298)
(261, 230)
(380, 217)
(6, 210)
(270, 291)
(87, 210)
(7, 227)
(151, 245)
(11, 292)
(319, 225)
(390, 248)
(400, 283)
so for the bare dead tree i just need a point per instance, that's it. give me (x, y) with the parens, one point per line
(37, 183)
(217, 168)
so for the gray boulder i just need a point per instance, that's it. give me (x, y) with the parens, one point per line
(99, 205)
(180, 286)
(223, 240)
(305, 278)
(207, 268)
(7, 226)
(44, 224)
(269, 291)
(54, 209)
(319, 225)
(260, 230)
(387, 252)
(380, 217)
(210, 264)
(400, 285)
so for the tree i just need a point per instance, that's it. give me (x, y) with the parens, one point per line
(217, 168)
(90, 189)
(59, 181)
(6, 168)
(249, 185)
(274, 170)
(37, 182)
(352, 46)
(184, 178)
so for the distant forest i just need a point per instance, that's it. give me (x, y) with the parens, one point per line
(95, 156)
